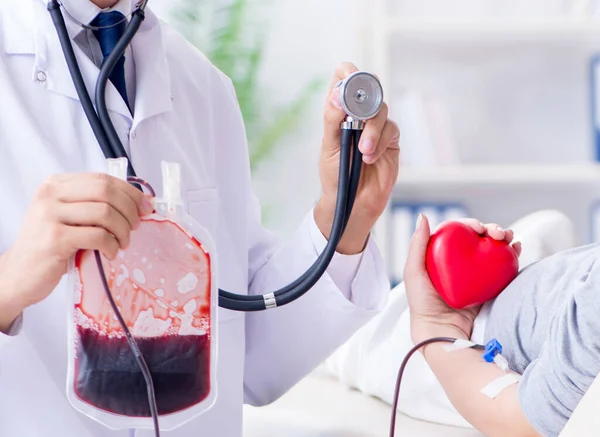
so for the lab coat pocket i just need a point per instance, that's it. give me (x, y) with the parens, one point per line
(203, 206)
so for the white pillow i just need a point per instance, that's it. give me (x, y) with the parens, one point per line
(370, 360)
(542, 234)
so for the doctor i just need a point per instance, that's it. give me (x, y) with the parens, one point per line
(167, 103)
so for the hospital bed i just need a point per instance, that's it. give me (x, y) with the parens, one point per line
(322, 406)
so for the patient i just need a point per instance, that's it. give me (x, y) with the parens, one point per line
(548, 321)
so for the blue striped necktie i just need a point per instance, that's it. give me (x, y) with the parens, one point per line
(108, 36)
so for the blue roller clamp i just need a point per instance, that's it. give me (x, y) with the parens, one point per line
(492, 348)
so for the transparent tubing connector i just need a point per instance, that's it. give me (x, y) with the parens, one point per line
(117, 167)
(171, 178)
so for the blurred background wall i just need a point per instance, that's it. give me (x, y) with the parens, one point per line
(496, 101)
(304, 42)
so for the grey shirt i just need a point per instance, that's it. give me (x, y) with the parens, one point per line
(548, 322)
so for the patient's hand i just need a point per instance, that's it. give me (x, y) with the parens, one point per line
(430, 316)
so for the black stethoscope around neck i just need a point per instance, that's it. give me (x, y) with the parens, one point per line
(361, 96)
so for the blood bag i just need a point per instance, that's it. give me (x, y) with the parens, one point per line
(164, 286)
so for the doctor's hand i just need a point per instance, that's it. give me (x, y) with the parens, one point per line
(68, 213)
(380, 148)
(430, 316)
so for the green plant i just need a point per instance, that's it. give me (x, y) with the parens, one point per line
(235, 45)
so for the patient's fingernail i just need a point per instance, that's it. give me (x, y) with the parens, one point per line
(499, 229)
(419, 221)
(517, 246)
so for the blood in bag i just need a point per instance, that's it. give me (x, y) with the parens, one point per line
(163, 287)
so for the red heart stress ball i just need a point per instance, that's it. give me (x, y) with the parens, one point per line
(468, 269)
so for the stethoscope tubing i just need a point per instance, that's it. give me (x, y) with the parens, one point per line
(349, 171)
(343, 209)
(305, 282)
(84, 97)
(108, 66)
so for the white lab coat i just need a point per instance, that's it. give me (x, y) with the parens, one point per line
(185, 111)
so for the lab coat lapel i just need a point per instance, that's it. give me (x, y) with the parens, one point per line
(153, 81)
(51, 66)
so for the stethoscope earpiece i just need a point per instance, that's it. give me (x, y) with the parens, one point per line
(361, 95)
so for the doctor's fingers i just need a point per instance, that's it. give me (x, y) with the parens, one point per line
(97, 187)
(342, 71)
(90, 238)
(333, 118)
(334, 113)
(379, 135)
(99, 215)
(129, 204)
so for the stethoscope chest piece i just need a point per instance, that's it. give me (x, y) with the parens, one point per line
(361, 95)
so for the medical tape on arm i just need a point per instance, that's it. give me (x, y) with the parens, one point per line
(458, 345)
(493, 354)
(496, 387)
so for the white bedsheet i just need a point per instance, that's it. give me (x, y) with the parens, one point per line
(319, 406)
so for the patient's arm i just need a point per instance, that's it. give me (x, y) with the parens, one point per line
(463, 374)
